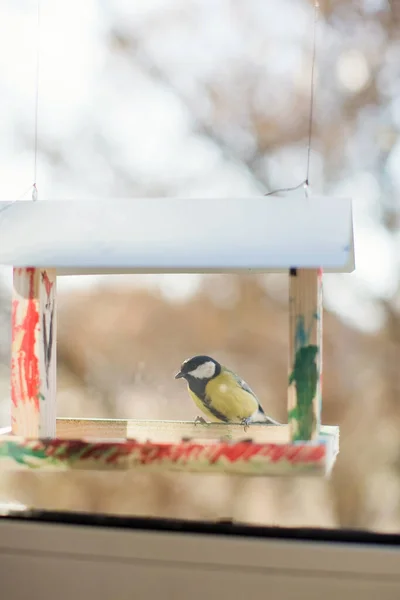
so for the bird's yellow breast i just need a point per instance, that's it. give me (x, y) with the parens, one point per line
(226, 396)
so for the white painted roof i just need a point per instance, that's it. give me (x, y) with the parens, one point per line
(178, 235)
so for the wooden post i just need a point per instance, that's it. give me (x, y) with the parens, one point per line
(33, 353)
(305, 357)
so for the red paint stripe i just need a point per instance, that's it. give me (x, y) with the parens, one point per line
(25, 362)
(184, 453)
(15, 390)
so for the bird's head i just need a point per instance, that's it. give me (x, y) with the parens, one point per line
(199, 367)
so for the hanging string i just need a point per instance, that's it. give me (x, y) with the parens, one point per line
(32, 187)
(306, 182)
(312, 90)
(34, 190)
(289, 189)
(24, 194)
(17, 199)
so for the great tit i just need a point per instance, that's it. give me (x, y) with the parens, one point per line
(221, 394)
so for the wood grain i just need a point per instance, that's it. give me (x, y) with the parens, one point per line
(33, 352)
(305, 353)
(173, 431)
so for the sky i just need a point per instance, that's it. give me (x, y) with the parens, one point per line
(106, 128)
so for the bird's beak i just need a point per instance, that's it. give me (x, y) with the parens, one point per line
(179, 375)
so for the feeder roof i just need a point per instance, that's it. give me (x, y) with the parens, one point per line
(166, 235)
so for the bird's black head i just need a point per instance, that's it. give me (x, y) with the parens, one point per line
(199, 367)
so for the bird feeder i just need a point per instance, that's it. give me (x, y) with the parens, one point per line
(48, 239)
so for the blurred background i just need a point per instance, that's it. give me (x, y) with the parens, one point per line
(210, 98)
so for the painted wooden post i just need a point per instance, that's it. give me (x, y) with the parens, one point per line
(33, 353)
(305, 354)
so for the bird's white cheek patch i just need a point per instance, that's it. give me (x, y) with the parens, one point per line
(204, 371)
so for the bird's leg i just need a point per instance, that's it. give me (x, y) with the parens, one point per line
(200, 420)
(246, 422)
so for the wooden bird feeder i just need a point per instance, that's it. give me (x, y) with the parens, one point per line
(42, 240)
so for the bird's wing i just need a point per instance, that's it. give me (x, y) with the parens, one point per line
(242, 383)
(245, 386)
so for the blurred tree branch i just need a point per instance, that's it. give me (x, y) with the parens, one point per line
(133, 47)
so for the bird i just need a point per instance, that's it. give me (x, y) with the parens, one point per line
(220, 393)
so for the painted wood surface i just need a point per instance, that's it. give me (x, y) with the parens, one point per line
(33, 353)
(241, 458)
(122, 235)
(305, 353)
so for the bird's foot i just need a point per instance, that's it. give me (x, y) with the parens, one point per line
(200, 420)
(245, 422)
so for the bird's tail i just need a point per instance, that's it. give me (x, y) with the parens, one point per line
(261, 417)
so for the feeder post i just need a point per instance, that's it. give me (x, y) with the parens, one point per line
(33, 353)
(305, 353)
